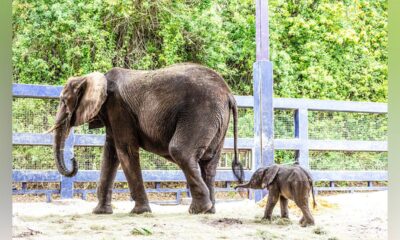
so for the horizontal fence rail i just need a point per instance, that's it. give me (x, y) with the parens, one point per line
(300, 143)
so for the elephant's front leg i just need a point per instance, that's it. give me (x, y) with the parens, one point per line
(129, 158)
(273, 197)
(109, 168)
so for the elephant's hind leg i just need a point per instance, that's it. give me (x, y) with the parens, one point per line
(208, 166)
(300, 197)
(187, 148)
(307, 218)
(284, 207)
(109, 168)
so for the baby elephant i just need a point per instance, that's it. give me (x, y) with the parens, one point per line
(283, 183)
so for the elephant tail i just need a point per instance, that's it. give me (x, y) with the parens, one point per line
(312, 192)
(237, 167)
(311, 183)
(310, 180)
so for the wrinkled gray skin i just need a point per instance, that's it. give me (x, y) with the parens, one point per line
(283, 183)
(180, 112)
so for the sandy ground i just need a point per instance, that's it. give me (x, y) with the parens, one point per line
(343, 216)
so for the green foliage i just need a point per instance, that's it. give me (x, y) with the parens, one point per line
(330, 49)
(320, 49)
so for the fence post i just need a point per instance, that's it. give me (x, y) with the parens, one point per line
(263, 94)
(301, 133)
(67, 183)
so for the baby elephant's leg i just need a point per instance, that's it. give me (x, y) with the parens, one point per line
(302, 220)
(284, 207)
(273, 197)
(307, 218)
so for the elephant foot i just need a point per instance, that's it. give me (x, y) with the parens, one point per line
(266, 218)
(305, 223)
(197, 207)
(139, 209)
(211, 210)
(101, 209)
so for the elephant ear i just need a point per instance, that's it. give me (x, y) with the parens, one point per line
(270, 174)
(93, 90)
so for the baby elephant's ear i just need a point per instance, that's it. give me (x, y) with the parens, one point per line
(270, 174)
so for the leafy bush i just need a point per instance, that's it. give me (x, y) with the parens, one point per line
(320, 49)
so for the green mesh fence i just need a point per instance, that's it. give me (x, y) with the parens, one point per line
(33, 157)
(37, 115)
(346, 160)
(89, 158)
(245, 124)
(33, 115)
(284, 124)
(347, 126)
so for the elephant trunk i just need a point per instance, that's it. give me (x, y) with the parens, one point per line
(246, 185)
(60, 135)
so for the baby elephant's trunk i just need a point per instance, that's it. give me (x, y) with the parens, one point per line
(246, 185)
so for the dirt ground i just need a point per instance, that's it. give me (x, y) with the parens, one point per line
(342, 216)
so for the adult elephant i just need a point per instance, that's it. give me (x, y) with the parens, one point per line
(180, 112)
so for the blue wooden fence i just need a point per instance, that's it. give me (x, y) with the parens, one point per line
(300, 143)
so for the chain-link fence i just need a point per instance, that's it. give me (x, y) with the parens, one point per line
(89, 158)
(348, 160)
(37, 115)
(347, 126)
(31, 115)
(33, 158)
(284, 124)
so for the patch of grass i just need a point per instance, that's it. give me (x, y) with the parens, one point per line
(147, 215)
(120, 215)
(265, 235)
(74, 217)
(261, 220)
(97, 227)
(69, 232)
(49, 216)
(223, 237)
(67, 225)
(275, 220)
(59, 221)
(141, 231)
(319, 231)
(282, 221)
